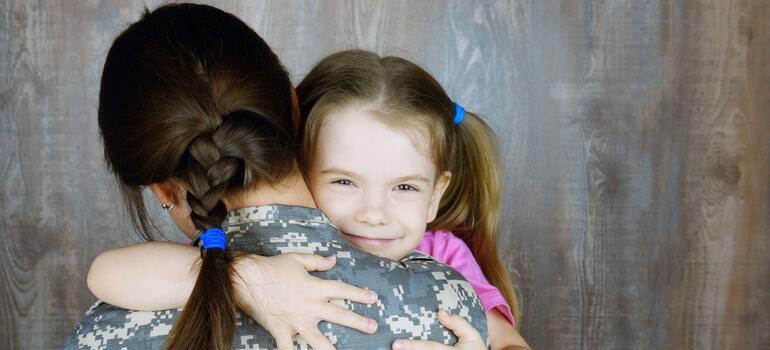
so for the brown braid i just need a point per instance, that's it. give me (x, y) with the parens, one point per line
(208, 176)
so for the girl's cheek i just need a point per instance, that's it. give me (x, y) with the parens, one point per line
(334, 204)
(414, 200)
(414, 211)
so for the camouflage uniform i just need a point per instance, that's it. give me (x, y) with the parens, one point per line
(410, 290)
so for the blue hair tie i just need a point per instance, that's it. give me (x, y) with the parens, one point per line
(459, 114)
(213, 238)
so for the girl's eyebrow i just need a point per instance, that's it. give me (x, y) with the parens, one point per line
(338, 171)
(418, 178)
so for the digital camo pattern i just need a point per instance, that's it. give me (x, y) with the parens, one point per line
(410, 291)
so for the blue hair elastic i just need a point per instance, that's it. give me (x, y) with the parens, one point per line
(213, 238)
(459, 114)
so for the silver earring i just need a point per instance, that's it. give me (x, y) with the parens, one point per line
(168, 207)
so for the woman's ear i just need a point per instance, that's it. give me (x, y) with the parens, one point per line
(173, 195)
(442, 183)
(166, 192)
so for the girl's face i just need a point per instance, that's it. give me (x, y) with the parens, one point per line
(374, 183)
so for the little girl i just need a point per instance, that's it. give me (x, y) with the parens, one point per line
(386, 152)
(381, 141)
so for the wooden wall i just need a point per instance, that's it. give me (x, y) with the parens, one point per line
(635, 137)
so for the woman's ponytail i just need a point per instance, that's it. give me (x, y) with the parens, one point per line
(208, 318)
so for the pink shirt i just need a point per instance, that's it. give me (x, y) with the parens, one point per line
(453, 252)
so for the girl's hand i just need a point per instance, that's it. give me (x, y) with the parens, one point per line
(280, 294)
(468, 337)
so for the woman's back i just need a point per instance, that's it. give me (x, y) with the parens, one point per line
(410, 291)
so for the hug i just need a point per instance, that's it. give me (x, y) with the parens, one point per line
(357, 210)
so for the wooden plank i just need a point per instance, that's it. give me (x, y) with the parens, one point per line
(725, 272)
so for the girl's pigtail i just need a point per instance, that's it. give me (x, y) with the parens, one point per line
(471, 204)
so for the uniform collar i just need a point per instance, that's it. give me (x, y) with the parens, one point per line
(274, 212)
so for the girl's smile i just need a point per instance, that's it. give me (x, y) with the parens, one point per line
(363, 241)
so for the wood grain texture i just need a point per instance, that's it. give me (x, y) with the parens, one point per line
(634, 135)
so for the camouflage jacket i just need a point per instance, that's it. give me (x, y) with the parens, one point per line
(410, 290)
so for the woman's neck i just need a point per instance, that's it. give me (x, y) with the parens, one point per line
(292, 190)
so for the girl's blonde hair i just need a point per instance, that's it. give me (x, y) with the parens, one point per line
(408, 98)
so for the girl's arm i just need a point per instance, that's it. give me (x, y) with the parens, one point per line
(502, 334)
(147, 276)
(277, 291)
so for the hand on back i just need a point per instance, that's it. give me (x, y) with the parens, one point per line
(279, 293)
(468, 338)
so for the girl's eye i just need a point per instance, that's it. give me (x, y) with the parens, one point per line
(405, 187)
(343, 182)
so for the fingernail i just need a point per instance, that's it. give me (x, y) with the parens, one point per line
(331, 257)
(398, 345)
(372, 326)
(442, 312)
(372, 296)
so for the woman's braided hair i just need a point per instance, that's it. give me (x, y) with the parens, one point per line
(225, 159)
(192, 93)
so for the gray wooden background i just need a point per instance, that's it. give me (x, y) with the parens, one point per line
(635, 137)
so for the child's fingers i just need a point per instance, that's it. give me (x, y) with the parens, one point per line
(316, 339)
(460, 327)
(313, 262)
(282, 335)
(284, 341)
(342, 316)
(468, 337)
(344, 291)
(404, 344)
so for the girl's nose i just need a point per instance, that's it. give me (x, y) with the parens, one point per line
(372, 212)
